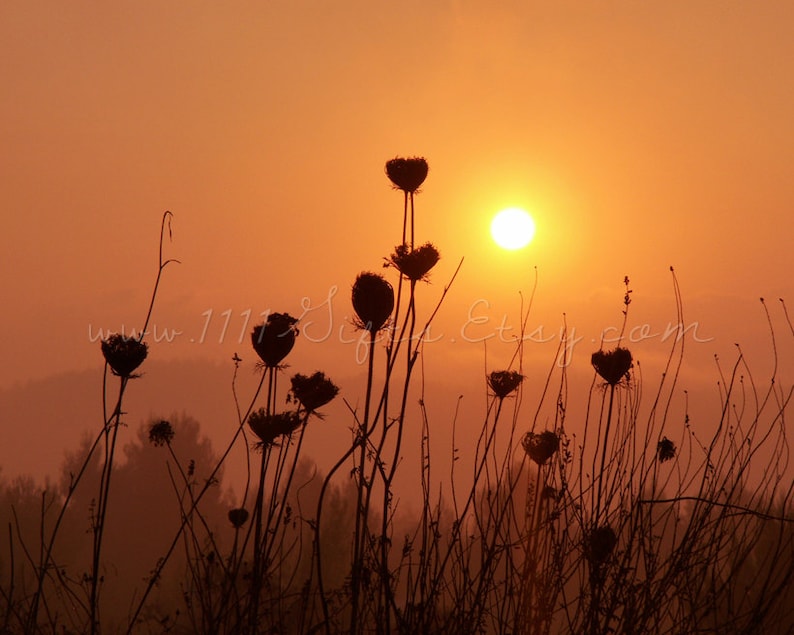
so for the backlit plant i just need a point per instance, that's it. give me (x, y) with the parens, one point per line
(635, 524)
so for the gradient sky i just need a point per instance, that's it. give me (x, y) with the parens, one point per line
(640, 135)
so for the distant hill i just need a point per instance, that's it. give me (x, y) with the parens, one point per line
(42, 420)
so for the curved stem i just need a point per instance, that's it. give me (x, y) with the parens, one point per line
(166, 221)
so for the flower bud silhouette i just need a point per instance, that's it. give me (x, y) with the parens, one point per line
(123, 354)
(373, 301)
(503, 382)
(540, 447)
(612, 365)
(407, 174)
(313, 392)
(238, 516)
(415, 264)
(274, 339)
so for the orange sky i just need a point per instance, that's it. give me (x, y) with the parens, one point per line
(639, 134)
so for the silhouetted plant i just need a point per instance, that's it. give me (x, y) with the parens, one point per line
(414, 264)
(407, 174)
(375, 586)
(600, 543)
(123, 354)
(621, 530)
(161, 433)
(274, 339)
(612, 365)
(269, 427)
(541, 447)
(238, 517)
(503, 382)
(665, 450)
(314, 391)
(373, 301)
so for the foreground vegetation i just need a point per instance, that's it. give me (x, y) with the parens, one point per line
(638, 526)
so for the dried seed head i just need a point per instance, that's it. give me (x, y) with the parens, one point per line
(600, 544)
(548, 492)
(238, 516)
(313, 392)
(373, 301)
(268, 427)
(665, 450)
(503, 382)
(407, 174)
(612, 365)
(274, 339)
(161, 433)
(414, 264)
(123, 354)
(540, 447)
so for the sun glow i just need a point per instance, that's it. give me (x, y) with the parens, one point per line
(512, 228)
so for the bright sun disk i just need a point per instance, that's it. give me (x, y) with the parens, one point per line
(512, 228)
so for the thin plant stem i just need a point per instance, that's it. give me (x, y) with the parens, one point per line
(359, 536)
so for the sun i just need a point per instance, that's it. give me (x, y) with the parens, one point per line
(512, 228)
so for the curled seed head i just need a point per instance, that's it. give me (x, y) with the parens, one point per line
(407, 174)
(503, 382)
(540, 447)
(612, 365)
(123, 354)
(313, 392)
(414, 264)
(269, 427)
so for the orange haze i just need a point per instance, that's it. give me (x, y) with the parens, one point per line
(639, 134)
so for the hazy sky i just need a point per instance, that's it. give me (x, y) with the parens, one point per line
(640, 134)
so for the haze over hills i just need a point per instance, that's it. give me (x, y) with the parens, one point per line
(44, 420)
